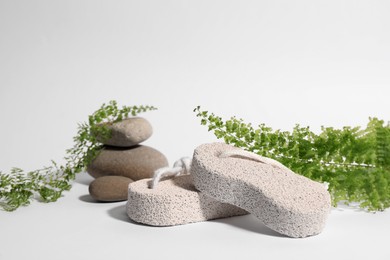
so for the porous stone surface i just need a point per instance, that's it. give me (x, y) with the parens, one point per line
(137, 162)
(128, 132)
(284, 201)
(174, 202)
(110, 188)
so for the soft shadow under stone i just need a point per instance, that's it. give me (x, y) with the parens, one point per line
(119, 213)
(249, 223)
(88, 198)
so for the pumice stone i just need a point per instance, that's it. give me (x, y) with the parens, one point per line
(284, 201)
(174, 202)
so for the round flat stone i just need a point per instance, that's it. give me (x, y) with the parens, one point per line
(128, 132)
(110, 188)
(138, 162)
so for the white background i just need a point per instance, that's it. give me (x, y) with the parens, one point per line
(278, 62)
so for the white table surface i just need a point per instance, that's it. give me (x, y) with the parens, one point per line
(275, 62)
(76, 227)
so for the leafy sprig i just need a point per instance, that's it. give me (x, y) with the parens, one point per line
(354, 161)
(18, 187)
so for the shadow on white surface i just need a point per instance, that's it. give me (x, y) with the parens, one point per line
(119, 213)
(88, 198)
(249, 223)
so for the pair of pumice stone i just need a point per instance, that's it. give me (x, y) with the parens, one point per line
(224, 181)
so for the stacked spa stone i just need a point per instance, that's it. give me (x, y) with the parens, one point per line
(123, 160)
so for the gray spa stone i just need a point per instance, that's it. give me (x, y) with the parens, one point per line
(128, 132)
(138, 162)
(110, 188)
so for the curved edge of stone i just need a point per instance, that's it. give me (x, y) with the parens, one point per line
(109, 188)
(284, 201)
(128, 132)
(174, 202)
(137, 162)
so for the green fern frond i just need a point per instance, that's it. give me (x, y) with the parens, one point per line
(354, 161)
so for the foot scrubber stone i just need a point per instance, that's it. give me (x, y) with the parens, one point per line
(174, 202)
(284, 201)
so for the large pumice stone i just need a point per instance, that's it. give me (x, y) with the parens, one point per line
(284, 201)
